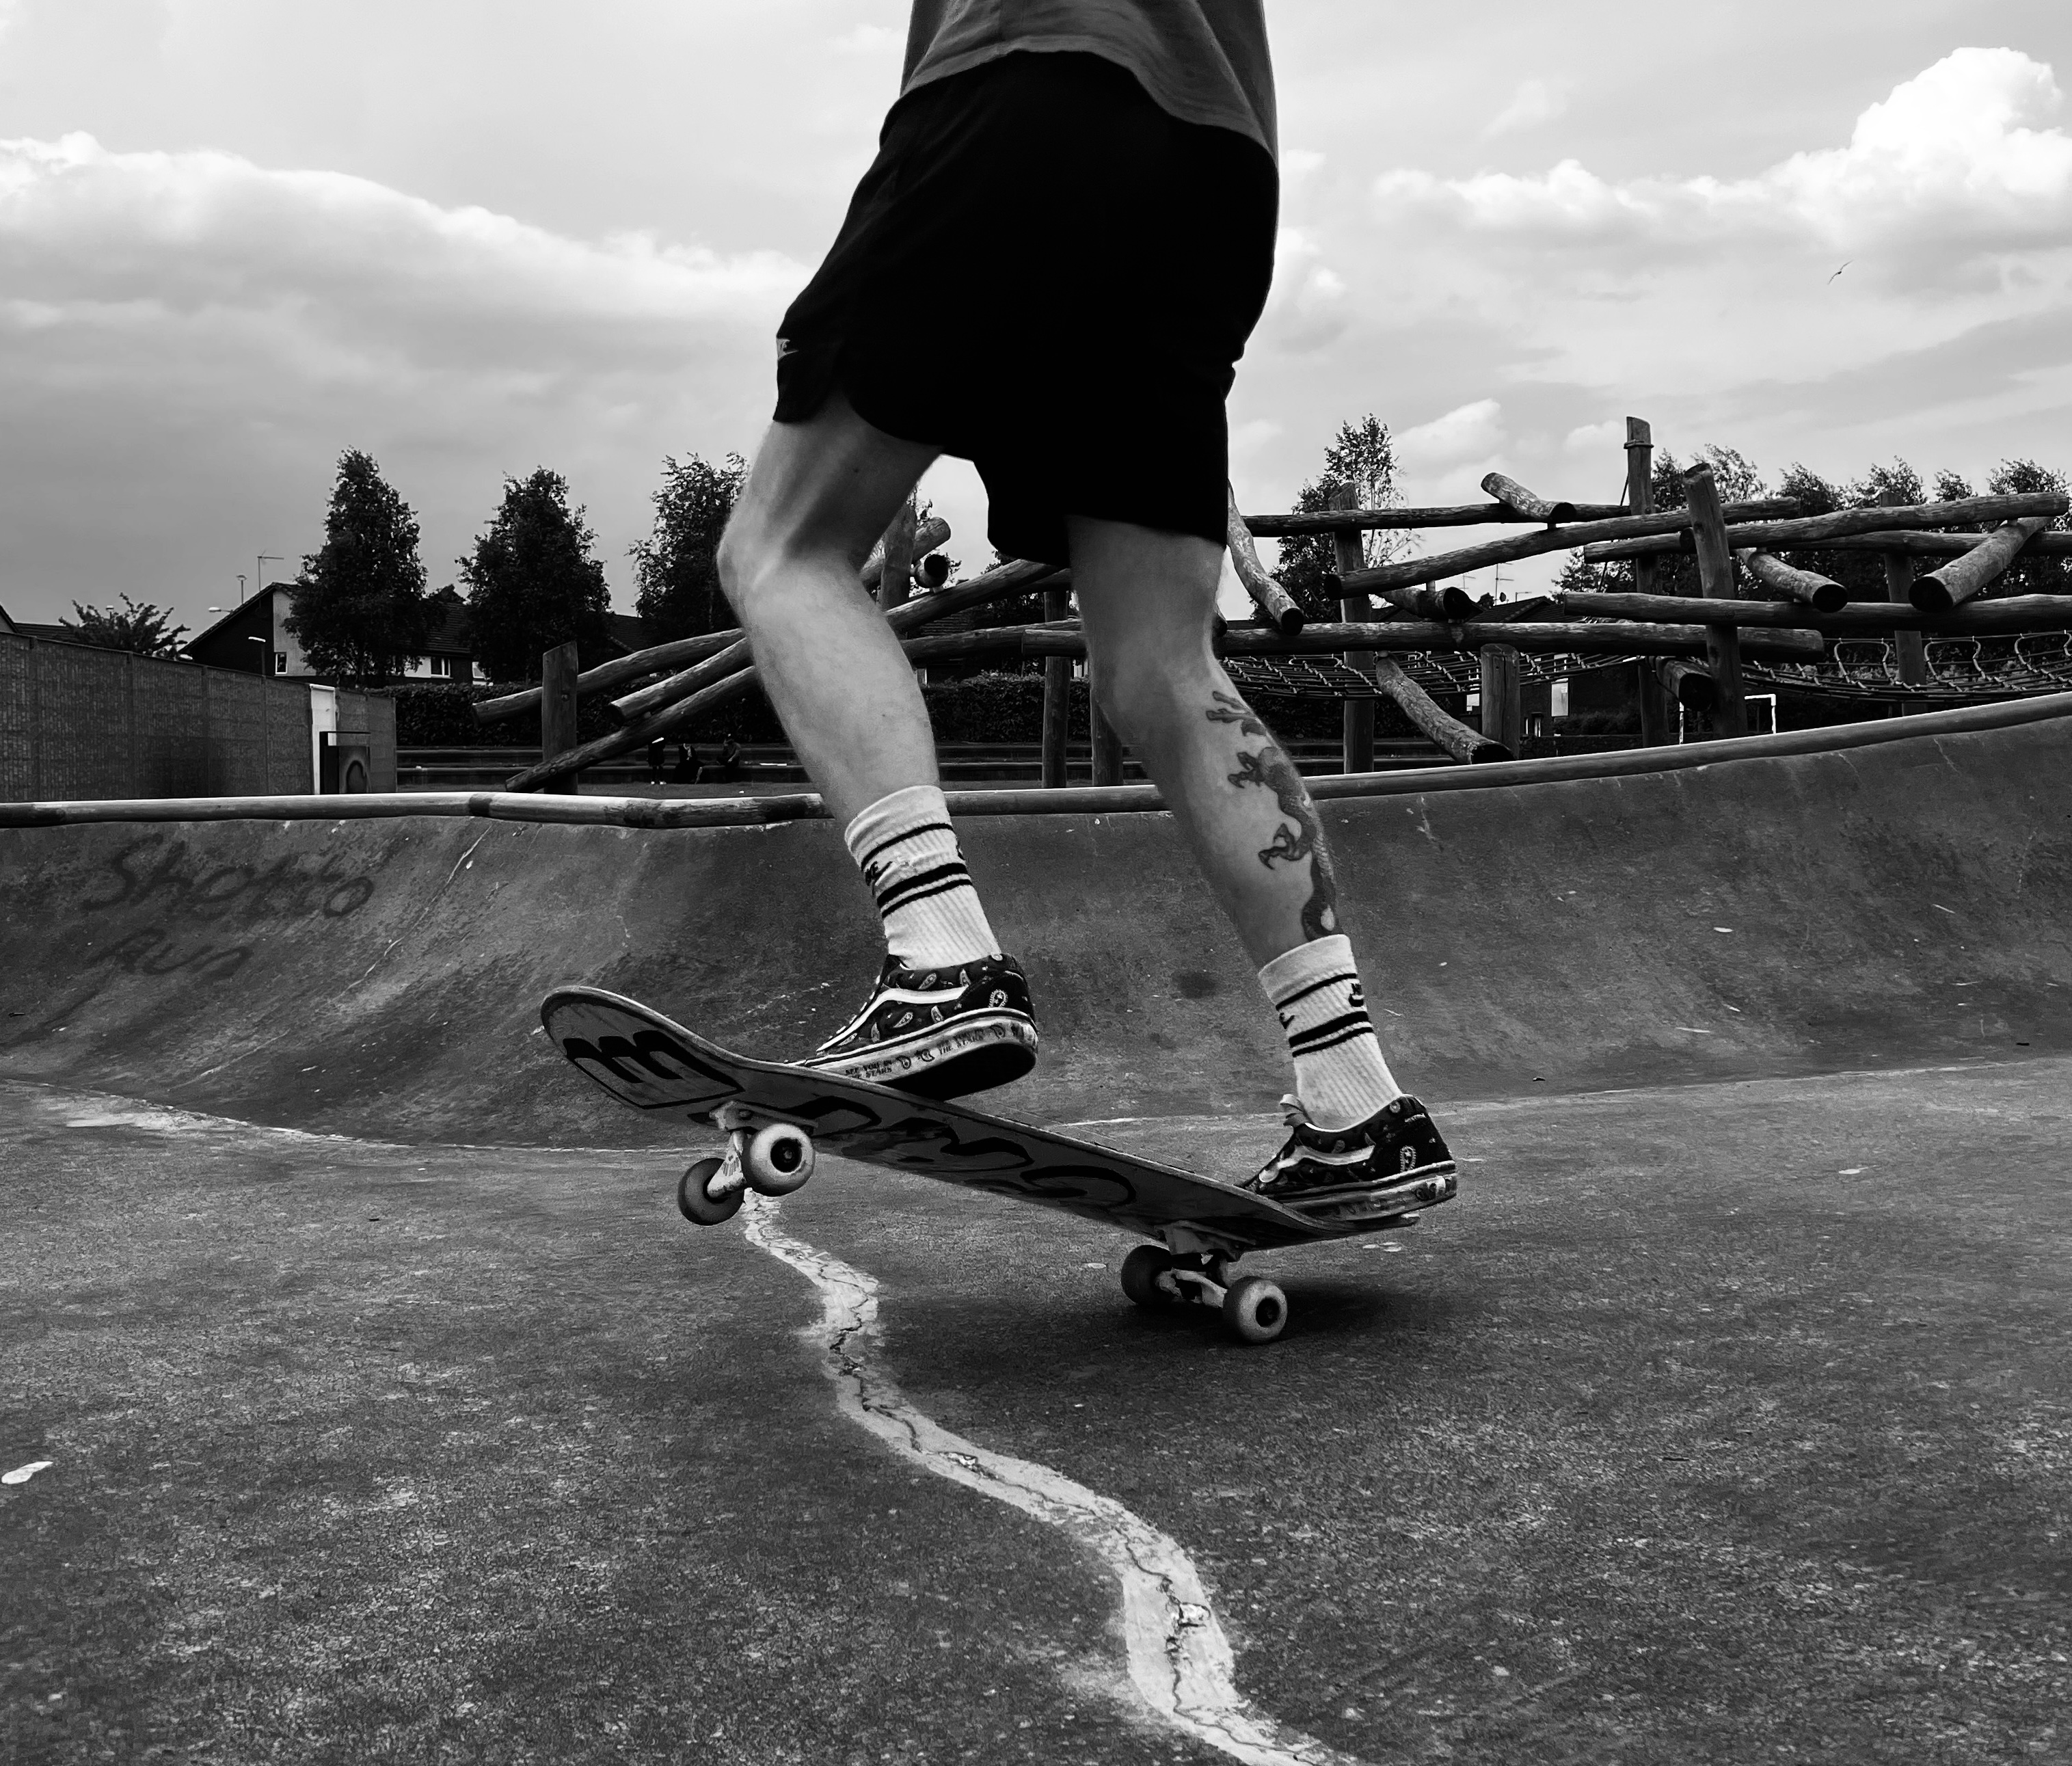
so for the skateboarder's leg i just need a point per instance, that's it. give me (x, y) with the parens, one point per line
(950, 1012)
(1146, 598)
(819, 494)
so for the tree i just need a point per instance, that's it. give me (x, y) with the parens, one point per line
(142, 626)
(2032, 576)
(532, 583)
(360, 608)
(677, 568)
(1362, 456)
(1889, 487)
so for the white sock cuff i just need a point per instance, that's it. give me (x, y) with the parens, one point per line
(893, 817)
(1306, 965)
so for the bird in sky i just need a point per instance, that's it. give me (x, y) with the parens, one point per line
(1844, 266)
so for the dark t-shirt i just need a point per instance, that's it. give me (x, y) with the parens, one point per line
(1203, 61)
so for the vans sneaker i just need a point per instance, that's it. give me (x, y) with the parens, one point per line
(1391, 1163)
(937, 1032)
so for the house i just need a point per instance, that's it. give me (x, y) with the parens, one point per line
(254, 638)
(32, 629)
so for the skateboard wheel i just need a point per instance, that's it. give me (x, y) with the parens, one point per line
(778, 1158)
(1255, 1308)
(1140, 1270)
(700, 1208)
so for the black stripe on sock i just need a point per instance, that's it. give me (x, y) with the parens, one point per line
(1351, 1035)
(949, 888)
(1301, 1042)
(897, 894)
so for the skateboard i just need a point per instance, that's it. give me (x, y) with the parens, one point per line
(777, 1117)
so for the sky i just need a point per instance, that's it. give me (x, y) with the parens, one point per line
(240, 237)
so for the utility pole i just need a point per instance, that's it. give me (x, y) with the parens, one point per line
(241, 588)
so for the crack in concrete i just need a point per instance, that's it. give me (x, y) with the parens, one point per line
(1180, 1662)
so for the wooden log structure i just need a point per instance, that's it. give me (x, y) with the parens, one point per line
(1962, 578)
(1808, 532)
(1715, 578)
(895, 579)
(1301, 521)
(1450, 604)
(1657, 727)
(933, 533)
(1503, 698)
(1910, 654)
(1274, 603)
(1467, 747)
(1856, 619)
(1356, 744)
(1918, 544)
(1057, 697)
(559, 669)
(1004, 579)
(1407, 571)
(1823, 593)
(1690, 683)
(1514, 497)
(1107, 743)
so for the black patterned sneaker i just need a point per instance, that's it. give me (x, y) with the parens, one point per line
(1391, 1163)
(939, 1032)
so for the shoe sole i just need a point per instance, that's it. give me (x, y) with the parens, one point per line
(974, 1053)
(1426, 1187)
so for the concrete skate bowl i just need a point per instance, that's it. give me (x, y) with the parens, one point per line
(1882, 896)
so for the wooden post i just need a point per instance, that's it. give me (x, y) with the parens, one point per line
(1716, 579)
(1657, 721)
(1057, 696)
(1107, 746)
(1909, 649)
(1358, 750)
(558, 669)
(1503, 696)
(895, 582)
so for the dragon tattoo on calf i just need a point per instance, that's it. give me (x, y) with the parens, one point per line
(1271, 769)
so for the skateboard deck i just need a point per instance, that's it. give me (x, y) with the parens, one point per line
(658, 1067)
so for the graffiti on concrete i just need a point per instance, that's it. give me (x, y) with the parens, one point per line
(202, 908)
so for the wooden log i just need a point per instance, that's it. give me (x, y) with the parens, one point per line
(1716, 577)
(1580, 638)
(1356, 744)
(1470, 515)
(895, 582)
(1503, 699)
(1962, 578)
(1452, 604)
(1658, 725)
(1908, 652)
(1809, 531)
(1689, 684)
(1823, 593)
(682, 652)
(1057, 697)
(1465, 747)
(2049, 544)
(1854, 619)
(1273, 602)
(558, 670)
(1002, 580)
(1525, 545)
(1514, 496)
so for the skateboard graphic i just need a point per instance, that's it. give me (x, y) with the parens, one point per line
(776, 1116)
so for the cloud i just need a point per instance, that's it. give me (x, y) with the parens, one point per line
(1469, 434)
(215, 329)
(1956, 160)
(1535, 101)
(1595, 439)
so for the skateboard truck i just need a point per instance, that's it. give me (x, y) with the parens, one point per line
(768, 1154)
(1193, 1267)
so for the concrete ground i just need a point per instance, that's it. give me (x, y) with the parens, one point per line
(1726, 1417)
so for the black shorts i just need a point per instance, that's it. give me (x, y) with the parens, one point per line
(1047, 274)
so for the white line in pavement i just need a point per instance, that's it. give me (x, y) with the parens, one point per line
(1180, 1661)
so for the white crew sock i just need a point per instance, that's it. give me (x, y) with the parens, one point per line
(1339, 1074)
(908, 856)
